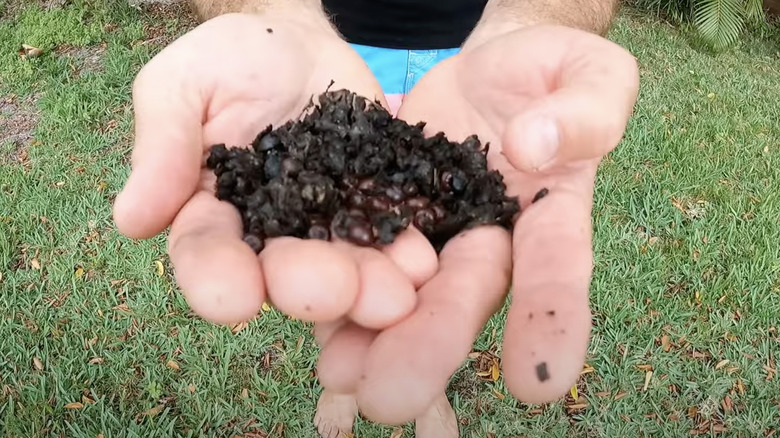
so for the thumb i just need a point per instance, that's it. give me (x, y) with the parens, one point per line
(584, 118)
(167, 153)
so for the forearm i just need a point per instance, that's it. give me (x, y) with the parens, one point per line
(506, 15)
(208, 9)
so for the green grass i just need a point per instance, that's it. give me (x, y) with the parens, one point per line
(687, 231)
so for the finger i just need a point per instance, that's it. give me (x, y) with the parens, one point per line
(218, 273)
(341, 360)
(168, 147)
(410, 363)
(309, 279)
(323, 331)
(414, 255)
(386, 295)
(583, 117)
(548, 325)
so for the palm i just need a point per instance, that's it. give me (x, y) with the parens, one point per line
(223, 83)
(587, 86)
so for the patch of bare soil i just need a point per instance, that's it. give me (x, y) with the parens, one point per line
(83, 60)
(159, 14)
(12, 8)
(18, 119)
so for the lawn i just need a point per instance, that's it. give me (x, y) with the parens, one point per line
(95, 339)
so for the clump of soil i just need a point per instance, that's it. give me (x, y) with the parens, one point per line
(347, 168)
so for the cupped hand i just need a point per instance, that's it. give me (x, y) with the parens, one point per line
(223, 83)
(551, 101)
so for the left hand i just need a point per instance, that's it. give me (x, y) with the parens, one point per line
(551, 101)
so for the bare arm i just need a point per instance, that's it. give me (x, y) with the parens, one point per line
(501, 16)
(208, 9)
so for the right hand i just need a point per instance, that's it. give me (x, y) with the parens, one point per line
(223, 83)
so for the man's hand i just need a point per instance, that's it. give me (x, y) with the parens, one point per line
(223, 83)
(551, 101)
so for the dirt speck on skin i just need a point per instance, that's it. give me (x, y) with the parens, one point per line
(18, 118)
(83, 60)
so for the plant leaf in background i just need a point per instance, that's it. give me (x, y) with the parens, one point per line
(719, 21)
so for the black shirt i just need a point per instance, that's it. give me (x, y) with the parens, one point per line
(405, 24)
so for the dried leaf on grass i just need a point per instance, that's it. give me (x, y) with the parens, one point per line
(173, 365)
(154, 411)
(74, 405)
(159, 267)
(37, 363)
(238, 327)
(487, 366)
(28, 51)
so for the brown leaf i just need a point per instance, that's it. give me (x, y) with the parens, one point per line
(498, 395)
(718, 428)
(620, 395)
(238, 327)
(173, 365)
(154, 411)
(87, 400)
(603, 394)
(740, 387)
(37, 363)
(28, 51)
(122, 307)
(90, 343)
(244, 393)
(587, 369)
(577, 406)
(397, 433)
(721, 364)
(35, 264)
(728, 404)
(648, 376)
(693, 411)
(191, 388)
(96, 360)
(645, 368)
(74, 405)
(665, 343)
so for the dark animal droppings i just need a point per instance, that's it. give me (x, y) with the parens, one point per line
(269, 30)
(540, 194)
(541, 372)
(347, 168)
(551, 313)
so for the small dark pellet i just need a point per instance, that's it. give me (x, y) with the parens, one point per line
(540, 194)
(254, 242)
(319, 232)
(541, 372)
(269, 30)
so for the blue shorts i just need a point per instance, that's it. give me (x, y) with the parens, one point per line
(398, 70)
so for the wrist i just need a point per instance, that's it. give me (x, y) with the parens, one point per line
(309, 12)
(504, 16)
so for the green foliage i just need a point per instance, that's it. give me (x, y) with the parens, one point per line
(719, 24)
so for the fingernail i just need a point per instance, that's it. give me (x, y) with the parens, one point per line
(541, 142)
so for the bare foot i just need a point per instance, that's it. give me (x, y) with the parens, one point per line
(335, 414)
(439, 421)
